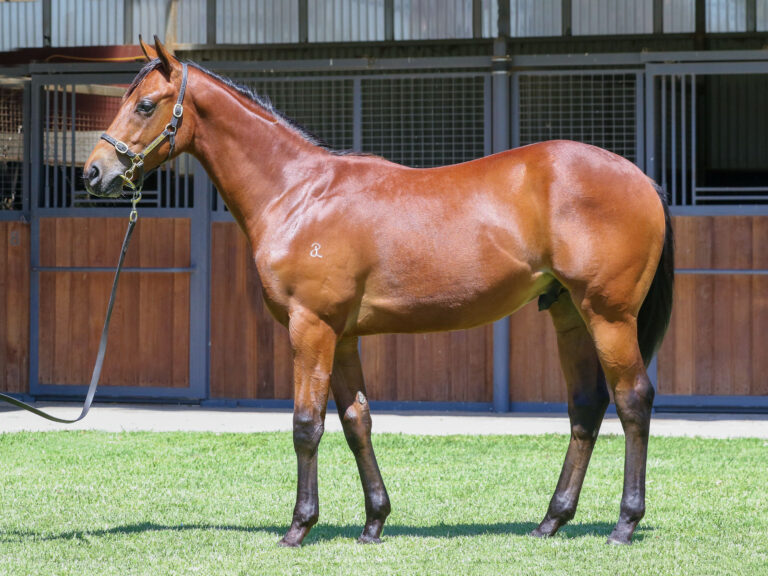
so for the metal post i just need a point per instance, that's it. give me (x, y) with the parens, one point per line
(658, 16)
(566, 15)
(503, 22)
(199, 285)
(357, 115)
(210, 22)
(303, 21)
(751, 15)
(477, 19)
(128, 22)
(389, 20)
(500, 142)
(46, 23)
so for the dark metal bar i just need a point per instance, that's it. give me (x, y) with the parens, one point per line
(303, 21)
(46, 23)
(663, 115)
(658, 16)
(500, 80)
(694, 199)
(673, 144)
(751, 15)
(73, 160)
(504, 19)
(128, 23)
(567, 16)
(210, 22)
(389, 20)
(477, 18)
(357, 114)
(683, 142)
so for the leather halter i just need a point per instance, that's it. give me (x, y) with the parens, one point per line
(137, 158)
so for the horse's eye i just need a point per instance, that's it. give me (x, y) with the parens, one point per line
(146, 107)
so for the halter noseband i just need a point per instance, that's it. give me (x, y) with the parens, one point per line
(137, 159)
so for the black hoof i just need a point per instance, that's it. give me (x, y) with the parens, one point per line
(364, 539)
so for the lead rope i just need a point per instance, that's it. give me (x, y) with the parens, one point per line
(137, 164)
(104, 333)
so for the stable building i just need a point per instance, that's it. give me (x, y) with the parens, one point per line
(679, 87)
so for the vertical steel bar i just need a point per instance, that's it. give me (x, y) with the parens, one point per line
(73, 162)
(55, 127)
(357, 115)
(501, 109)
(639, 121)
(694, 197)
(664, 178)
(683, 142)
(673, 143)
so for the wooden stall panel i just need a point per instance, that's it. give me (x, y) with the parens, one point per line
(535, 374)
(149, 334)
(14, 307)
(251, 355)
(718, 337)
(438, 367)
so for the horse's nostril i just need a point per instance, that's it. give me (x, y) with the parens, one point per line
(93, 174)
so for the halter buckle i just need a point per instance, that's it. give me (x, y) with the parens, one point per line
(121, 147)
(178, 110)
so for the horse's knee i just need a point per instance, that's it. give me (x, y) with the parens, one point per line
(308, 429)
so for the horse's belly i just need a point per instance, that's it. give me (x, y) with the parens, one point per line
(439, 306)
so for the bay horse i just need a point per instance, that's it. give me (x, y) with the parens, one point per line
(348, 245)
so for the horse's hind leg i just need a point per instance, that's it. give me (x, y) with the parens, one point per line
(615, 334)
(587, 402)
(349, 393)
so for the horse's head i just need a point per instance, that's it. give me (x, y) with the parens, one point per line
(147, 130)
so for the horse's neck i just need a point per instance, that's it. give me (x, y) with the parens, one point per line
(250, 156)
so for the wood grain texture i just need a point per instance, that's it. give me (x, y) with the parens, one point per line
(14, 307)
(149, 334)
(718, 337)
(251, 355)
(535, 374)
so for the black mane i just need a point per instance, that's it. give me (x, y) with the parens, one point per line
(262, 101)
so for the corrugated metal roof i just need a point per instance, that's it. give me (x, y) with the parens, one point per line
(257, 21)
(345, 20)
(20, 25)
(600, 17)
(433, 19)
(87, 23)
(679, 16)
(726, 15)
(535, 18)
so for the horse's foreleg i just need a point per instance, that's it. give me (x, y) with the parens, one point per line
(633, 394)
(349, 393)
(313, 344)
(587, 401)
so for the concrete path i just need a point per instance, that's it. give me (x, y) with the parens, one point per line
(167, 418)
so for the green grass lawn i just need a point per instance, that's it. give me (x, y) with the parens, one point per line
(89, 503)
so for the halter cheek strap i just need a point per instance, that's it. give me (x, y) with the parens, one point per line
(137, 158)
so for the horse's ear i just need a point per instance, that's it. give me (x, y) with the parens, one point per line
(165, 56)
(149, 52)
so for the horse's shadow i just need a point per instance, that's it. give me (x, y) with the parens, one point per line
(322, 533)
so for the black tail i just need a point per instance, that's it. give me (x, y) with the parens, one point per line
(653, 320)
